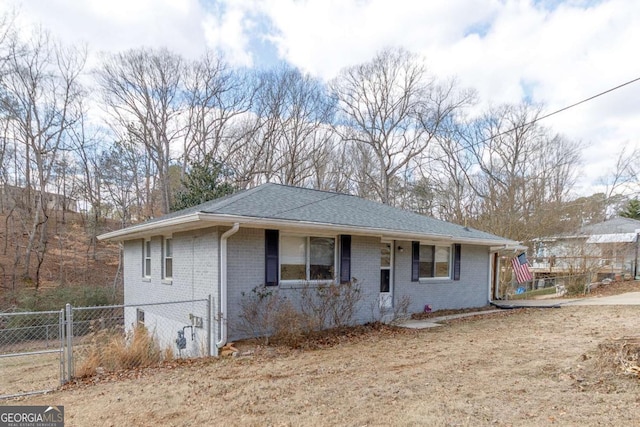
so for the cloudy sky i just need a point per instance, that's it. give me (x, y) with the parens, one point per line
(549, 51)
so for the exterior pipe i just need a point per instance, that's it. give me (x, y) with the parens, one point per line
(223, 284)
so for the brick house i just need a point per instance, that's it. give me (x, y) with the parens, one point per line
(283, 237)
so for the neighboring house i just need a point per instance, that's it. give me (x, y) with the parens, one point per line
(608, 249)
(285, 237)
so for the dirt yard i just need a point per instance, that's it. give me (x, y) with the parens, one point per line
(518, 367)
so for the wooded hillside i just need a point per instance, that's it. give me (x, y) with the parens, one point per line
(76, 269)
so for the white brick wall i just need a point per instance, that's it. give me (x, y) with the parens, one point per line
(365, 267)
(195, 276)
(245, 271)
(195, 269)
(470, 291)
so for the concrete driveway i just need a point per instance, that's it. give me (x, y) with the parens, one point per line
(629, 298)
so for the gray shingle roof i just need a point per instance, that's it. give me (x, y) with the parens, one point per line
(612, 226)
(285, 203)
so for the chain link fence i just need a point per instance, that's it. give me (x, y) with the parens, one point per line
(573, 284)
(31, 352)
(111, 338)
(41, 350)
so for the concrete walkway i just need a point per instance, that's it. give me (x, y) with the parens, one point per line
(630, 298)
(432, 322)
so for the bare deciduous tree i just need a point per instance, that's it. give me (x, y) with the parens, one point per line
(295, 113)
(142, 91)
(392, 106)
(217, 99)
(524, 172)
(42, 95)
(621, 179)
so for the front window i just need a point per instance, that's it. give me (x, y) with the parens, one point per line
(307, 258)
(168, 258)
(435, 261)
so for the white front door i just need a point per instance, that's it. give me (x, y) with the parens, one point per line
(386, 275)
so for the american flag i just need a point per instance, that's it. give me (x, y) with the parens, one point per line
(521, 268)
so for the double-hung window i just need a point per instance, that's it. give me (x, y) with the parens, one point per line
(435, 261)
(167, 258)
(146, 258)
(307, 257)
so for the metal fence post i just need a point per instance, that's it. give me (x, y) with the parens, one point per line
(69, 342)
(63, 374)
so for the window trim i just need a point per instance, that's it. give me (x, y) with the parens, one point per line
(146, 256)
(336, 258)
(167, 279)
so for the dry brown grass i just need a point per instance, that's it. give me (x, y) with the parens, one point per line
(513, 368)
(111, 350)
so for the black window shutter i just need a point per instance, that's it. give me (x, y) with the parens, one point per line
(456, 261)
(345, 258)
(415, 261)
(271, 241)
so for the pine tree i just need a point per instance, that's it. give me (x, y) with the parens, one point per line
(206, 180)
(632, 209)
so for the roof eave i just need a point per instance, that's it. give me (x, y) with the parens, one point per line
(152, 228)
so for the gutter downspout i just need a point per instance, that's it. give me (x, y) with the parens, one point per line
(223, 284)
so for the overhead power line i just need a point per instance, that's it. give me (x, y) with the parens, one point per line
(537, 119)
(586, 100)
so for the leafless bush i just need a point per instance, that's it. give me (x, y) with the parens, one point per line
(259, 312)
(401, 309)
(576, 284)
(267, 315)
(330, 305)
(291, 327)
(393, 315)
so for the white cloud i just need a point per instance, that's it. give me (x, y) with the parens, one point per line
(116, 25)
(227, 29)
(323, 36)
